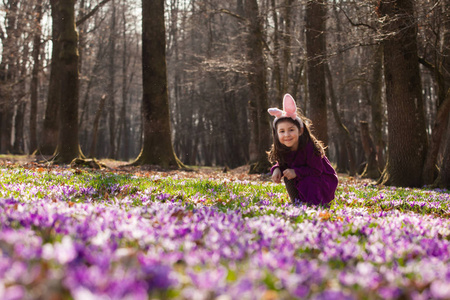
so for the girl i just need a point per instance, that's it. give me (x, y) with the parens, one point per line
(300, 158)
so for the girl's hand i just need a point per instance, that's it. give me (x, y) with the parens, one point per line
(276, 175)
(289, 174)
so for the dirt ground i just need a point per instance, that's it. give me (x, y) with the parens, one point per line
(116, 166)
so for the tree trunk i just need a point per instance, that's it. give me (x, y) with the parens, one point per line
(235, 152)
(124, 132)
(281, 54)
(371, 170)
(445, 168)
(443, 62)
(7, 69)
(111, 88)
(84, 132)
(35, 77)
(376, 106)
(287, 46)
(438, 133)
(299, 80)
(343, 131)
(19, 143)
(407, 137)
(253, 124)
(443, 80)
(444, 175)
(90, 84)
(68, 145)
(341, 156)
(98, 114)
(21, 104)
(276, 73)
(316, 52)
(157, 145)
(50, 129)
(258, 86)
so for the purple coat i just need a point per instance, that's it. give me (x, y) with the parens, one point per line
(316, 179)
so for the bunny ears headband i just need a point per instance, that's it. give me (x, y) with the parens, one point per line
(289, 111)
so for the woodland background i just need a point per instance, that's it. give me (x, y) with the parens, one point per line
(373, 76)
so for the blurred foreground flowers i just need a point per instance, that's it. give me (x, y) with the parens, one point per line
(78, 234)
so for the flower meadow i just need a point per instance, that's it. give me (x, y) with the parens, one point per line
(70, 233)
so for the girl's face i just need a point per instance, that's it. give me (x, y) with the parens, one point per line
(288, 134)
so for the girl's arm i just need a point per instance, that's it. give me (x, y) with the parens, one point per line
(276, 175)
(274, 167)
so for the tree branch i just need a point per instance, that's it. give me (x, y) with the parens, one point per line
(356, 24)
(91, 13)
(427, 64)
(2, 34)
(228, 12)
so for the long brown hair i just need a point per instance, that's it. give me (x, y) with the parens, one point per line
(278, 150)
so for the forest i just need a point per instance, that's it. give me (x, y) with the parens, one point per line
(189, 82)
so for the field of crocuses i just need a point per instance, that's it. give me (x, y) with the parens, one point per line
(133, 234)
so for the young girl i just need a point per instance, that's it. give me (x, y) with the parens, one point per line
(300, 158)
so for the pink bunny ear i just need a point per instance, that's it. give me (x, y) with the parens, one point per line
(289, 105)
(275, 112)
(289, 111)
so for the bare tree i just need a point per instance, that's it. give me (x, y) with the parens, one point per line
(376, 84)
(316, 51)
(8, 75)
(344, 133)
(444, 176)
(371, 170)
(257, 81)
(123, 141)
(157, 145)
(111, 88)
(442, 71)
(445, 168)
(68, 144)
(34, 87)
(407, 136)
(20, 94)
(50, 130)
